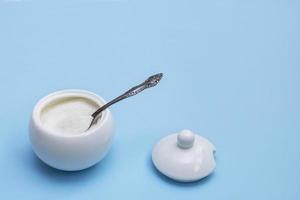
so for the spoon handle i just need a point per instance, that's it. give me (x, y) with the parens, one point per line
(133, 91)
(150, 82)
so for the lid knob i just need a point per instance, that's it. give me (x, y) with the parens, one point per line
(185, 139)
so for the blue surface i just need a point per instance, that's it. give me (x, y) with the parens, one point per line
(232, 74)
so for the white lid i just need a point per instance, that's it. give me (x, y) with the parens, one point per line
(184, 156)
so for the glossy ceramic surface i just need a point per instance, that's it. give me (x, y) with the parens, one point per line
(184, 156)
(71, 152)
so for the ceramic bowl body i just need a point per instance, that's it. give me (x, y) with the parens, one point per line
(71, 152)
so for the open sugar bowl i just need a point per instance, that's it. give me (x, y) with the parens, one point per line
(60, 133)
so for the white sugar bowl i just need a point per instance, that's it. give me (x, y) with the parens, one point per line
(58, 130)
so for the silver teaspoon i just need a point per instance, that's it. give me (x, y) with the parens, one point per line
(148, 83)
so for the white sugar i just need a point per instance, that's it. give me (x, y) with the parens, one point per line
(68, 116)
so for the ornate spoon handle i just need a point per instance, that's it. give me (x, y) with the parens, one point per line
(148, 83)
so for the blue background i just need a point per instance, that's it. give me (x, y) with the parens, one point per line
(232, 74)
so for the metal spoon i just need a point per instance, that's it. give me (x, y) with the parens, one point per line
(148, 83)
